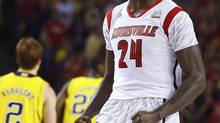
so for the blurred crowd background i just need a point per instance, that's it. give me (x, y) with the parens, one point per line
(71, 33)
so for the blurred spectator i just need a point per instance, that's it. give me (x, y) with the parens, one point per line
(73, 67)
(212, 57)
(27, 10)
(32, 16)
(93, 46)
(54, 32)
(7, 35)
(65, 10)
(94, 40)
(215, 117)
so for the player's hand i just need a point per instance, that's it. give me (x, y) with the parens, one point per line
(83, 119)
(145, 117)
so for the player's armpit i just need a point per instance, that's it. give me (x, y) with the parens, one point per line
(191, 62)
(194, 81)
(109, 65)
(49, 114)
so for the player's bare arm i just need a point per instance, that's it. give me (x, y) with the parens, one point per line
(103, 92)
(49, 114)
(60, 102)
(193, 85)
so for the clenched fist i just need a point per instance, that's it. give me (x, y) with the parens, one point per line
(83, 119)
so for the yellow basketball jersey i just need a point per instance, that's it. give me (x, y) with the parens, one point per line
(80, 93)
(21, 98)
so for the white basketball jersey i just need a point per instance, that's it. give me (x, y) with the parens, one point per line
(144, 48)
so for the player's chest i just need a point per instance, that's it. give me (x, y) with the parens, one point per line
(145, 29)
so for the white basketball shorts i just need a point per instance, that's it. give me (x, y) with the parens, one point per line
(121, 111)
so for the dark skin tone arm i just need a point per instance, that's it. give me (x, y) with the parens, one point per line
(60, 102)
(103, 93)
(193, 85)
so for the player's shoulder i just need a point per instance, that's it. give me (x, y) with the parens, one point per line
(83, 80)
(77, 79)
(40, 85)
(117, 8)
(7, 76)
(99, 78)
(172, 11)
(39, 80)
(168, 10)
(76, 82)
(168, 6)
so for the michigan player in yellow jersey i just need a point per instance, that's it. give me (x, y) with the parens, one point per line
(77, 94)
(24, 96)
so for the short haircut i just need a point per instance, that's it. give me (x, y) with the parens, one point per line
(28, 52)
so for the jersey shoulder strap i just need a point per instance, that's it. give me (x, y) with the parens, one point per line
(113, 13)
(169, 18)
(170, 10)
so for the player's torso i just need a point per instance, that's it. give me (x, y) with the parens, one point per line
(143, 56)
(80, 92)
(21, 99)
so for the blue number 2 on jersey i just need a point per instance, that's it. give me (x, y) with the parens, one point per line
(19, 111)
(84, 99)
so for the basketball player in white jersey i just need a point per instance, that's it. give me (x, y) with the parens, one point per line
(145, 42)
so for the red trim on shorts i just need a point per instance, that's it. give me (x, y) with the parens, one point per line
(169, 19)
(109, 18)
(147, 9)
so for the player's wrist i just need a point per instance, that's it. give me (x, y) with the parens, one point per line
(87, 115)
(157, 115)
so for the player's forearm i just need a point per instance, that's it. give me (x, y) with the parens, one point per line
(50, 112)
(60, 106)
(192, 87)
(101, 97)
(60, 110)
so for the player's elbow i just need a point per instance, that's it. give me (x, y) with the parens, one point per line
(203, 82)
(200, 81)
(58, 107)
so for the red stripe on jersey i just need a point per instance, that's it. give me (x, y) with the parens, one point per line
(109, 18)
(147, 9)
(169, 19)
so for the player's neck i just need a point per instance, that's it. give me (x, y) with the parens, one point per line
(138, 5)
(31, 71)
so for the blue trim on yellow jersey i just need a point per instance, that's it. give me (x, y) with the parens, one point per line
(23, 74)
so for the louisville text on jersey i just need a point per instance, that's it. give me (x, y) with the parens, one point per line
(138, 30)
